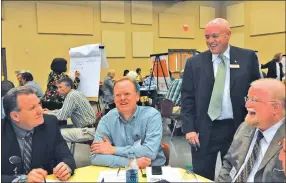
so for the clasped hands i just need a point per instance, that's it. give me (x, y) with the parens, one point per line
(105, 147)
(61, 171)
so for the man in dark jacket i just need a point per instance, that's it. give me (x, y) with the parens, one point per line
(34, 138)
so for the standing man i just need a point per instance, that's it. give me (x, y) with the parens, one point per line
(107, 89)
(215, 83)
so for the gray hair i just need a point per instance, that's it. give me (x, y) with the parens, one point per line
(109, 72)
(10, 102)
(67, 81)
(132, 75)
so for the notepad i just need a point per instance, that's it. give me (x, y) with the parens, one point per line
(111, 176)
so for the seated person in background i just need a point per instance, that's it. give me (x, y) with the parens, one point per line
(151, 78)
(133, 75)
(33, 137)
(264, 126)
(174, 92)
(125, 72)
(139, 77)
(5, 87)
(107, 89)
(128, 130)
(28, 80)
(76, 106)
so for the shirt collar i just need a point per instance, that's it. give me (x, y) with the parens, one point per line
(270, 132)
(226, 54)
(131, 119)
(20, 132)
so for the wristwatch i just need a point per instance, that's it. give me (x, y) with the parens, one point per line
(23, 178)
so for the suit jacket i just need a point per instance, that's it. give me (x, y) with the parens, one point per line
(198, 82)
(48, 148)
(238, 151)
(271, 65)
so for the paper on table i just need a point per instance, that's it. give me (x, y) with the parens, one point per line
(168, 173)
(49, 180)
(111, 176)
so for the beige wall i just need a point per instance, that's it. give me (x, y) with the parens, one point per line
(26, 49)
(267, 45)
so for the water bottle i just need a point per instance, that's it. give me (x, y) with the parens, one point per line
(189, 175)
(132, 171)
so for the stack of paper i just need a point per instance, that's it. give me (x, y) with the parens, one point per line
(111, 176)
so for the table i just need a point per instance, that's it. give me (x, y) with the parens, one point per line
(91, 174)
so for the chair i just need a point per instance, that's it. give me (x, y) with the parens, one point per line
(167, 112)
(166, 150)
(88, 142)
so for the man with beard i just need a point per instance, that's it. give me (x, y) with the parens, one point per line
(253, 154)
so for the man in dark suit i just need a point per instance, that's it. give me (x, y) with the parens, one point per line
(275, 67)
(35, 139)
(214, 85)
(254, 153)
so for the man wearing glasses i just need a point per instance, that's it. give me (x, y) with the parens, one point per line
(213, 88)
(128, 131)
(254, 153)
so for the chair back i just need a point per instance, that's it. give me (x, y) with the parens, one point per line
(166, 108)
(166, 150)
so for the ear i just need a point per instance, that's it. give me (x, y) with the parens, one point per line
(137, 96)
(14, 116)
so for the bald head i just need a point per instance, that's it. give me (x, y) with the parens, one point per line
(274, 87)
(219, 22)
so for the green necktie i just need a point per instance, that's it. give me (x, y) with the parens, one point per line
(215, 105)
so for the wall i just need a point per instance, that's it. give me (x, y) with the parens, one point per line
(26, 49)
(267, 45)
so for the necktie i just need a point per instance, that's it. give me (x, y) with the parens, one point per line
(27, 152)
(250, 163)
(215, 105)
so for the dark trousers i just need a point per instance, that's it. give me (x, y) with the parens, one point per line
(220, 139)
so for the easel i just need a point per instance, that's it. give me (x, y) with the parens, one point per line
(157, 62)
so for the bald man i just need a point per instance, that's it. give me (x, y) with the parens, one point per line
(215, 83)
(254, 153)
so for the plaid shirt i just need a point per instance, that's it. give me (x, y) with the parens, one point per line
(174, 93)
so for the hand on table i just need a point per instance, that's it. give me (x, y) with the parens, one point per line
(37, 175)
(62, 171)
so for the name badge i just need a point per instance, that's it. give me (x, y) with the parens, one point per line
(232, 172)
(234, 66)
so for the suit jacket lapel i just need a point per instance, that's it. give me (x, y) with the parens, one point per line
(274, 147)
(232, 71)
(208, 67)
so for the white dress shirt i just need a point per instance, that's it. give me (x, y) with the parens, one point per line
(264, 144)
(226, 112)
(277, 70)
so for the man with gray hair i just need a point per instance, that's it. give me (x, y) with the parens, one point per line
(254, 153)
(28, 155)
(76, 106)
(107, 89)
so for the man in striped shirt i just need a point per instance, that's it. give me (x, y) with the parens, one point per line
(76, 106)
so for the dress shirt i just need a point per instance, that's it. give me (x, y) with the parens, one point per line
(277, 70)
(174, 92)
(77, 107)
(146, 82)
(264, 144)
(226, 112)
(140, 136)
(21, 134)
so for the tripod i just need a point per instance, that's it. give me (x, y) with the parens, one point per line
(157, 62)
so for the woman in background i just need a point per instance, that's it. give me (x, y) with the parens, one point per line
(52, 100)
(139, 77)
(125, 72)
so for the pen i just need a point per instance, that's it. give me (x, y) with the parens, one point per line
(118, 172)
(102, 180)
(143, 174)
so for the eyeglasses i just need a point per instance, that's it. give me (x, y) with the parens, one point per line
(126, 95)
(254, 100)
